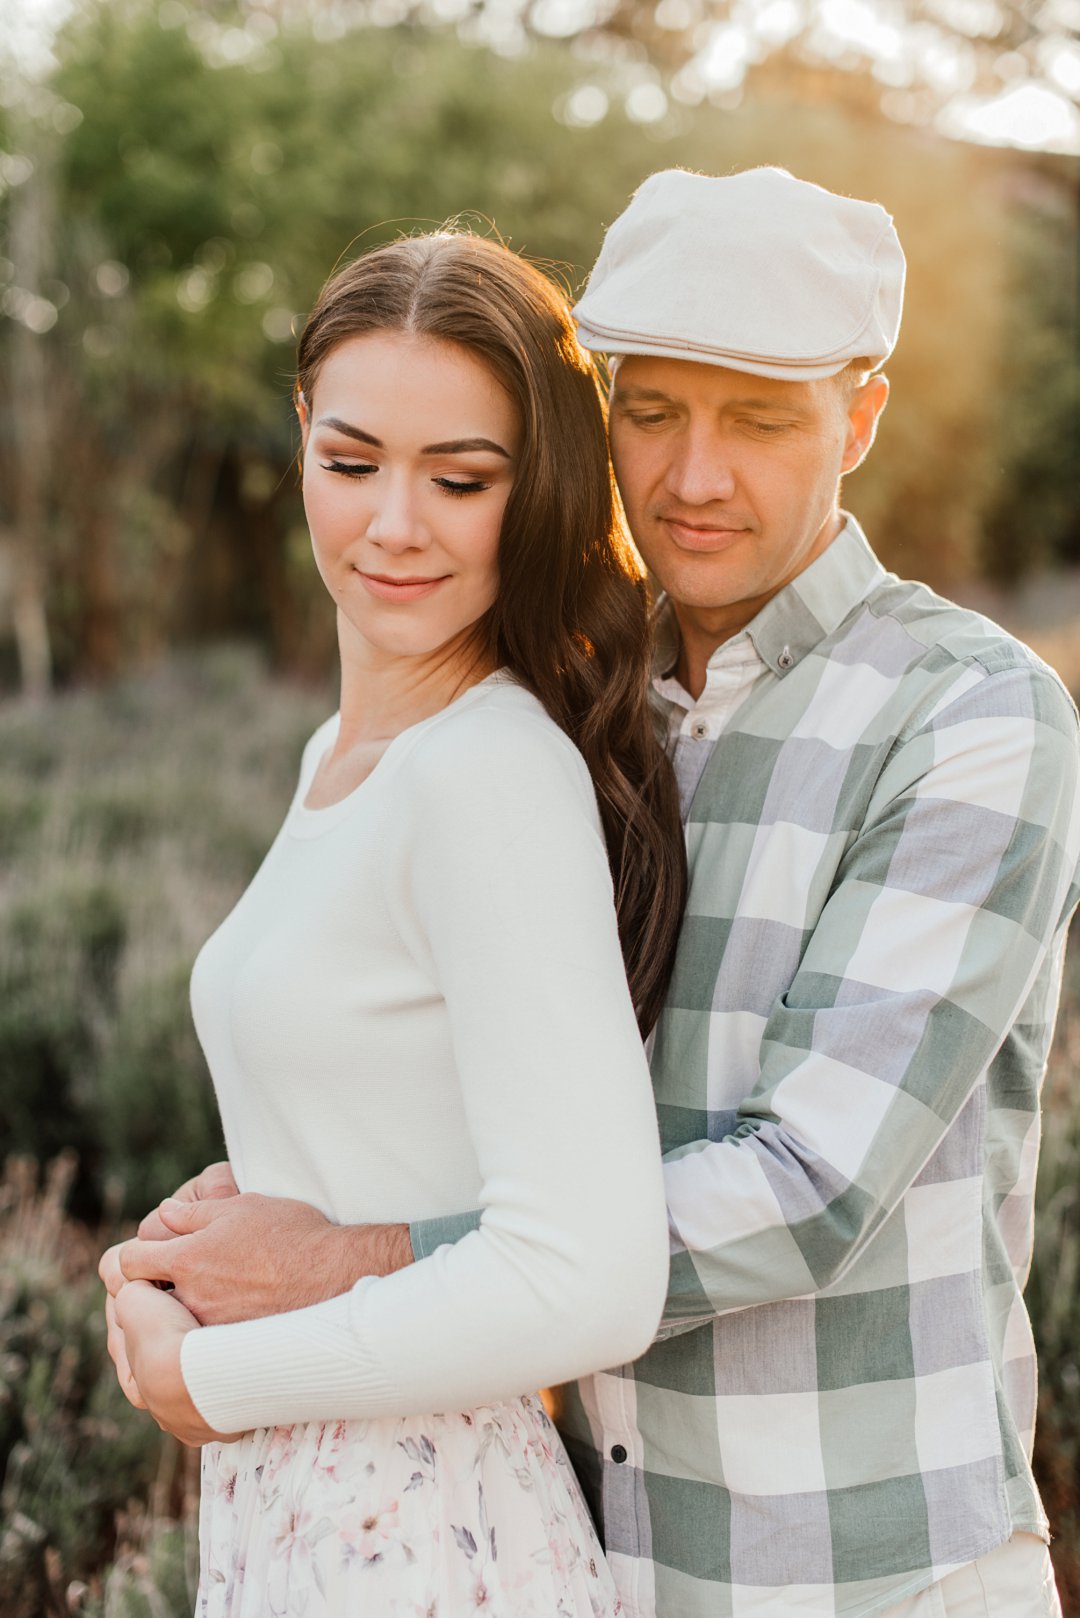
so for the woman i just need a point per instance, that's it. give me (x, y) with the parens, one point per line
(420, 1005)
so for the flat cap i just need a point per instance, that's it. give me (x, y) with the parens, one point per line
(757, 271)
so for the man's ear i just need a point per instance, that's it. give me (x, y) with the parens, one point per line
(863, 415)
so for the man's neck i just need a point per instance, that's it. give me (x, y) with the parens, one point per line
(703, 629)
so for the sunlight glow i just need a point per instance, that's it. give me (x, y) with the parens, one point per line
(724, 60)
(1060, 61)
(874, 29)
(774, 22)
(1031, 115)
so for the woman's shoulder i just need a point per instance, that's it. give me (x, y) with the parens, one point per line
(498, 734)
(316, 745)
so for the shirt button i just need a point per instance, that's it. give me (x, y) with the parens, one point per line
(618, 1454)
(699, 730)
(785, 660)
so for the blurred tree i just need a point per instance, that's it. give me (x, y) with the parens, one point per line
(1035, 517)
(213, 163)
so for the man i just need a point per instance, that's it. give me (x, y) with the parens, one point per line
(880, 793)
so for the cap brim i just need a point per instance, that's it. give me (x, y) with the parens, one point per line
(754, 365)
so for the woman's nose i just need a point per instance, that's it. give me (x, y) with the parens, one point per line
(396, 523)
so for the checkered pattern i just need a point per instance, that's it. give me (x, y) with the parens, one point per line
(883, 847)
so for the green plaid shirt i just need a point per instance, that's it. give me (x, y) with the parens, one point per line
(883, 837)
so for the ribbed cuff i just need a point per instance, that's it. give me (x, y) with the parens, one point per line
(310, 1365)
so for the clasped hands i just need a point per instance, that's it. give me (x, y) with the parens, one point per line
(226, 1257)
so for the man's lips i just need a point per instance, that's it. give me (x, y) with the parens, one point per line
(388, 588)
(699, 536)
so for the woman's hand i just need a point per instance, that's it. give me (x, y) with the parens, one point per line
(149, 1327)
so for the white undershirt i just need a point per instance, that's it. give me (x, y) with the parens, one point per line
(419, 1007)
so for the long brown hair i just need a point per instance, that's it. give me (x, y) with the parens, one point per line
(571, 617)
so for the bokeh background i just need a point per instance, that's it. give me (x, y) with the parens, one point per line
(177, 177)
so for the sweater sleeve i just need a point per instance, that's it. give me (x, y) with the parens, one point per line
(499, 884)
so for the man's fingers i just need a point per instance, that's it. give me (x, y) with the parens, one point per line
(153, 1228)
(181, 1218)
(141, 1261)
(216, 1180)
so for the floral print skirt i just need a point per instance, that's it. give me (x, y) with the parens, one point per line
(440, 1516)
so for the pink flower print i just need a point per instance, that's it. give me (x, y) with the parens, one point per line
(556, 1547)
(367, 1534)
(480, 1596)
(292, 1538)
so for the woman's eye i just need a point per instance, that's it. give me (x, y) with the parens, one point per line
(456, 486)
(349, 469)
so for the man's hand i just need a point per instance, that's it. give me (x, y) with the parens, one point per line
(215, 1181)
(241, 1257)
(152, 1326)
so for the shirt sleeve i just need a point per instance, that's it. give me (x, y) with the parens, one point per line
(499, 885)
(948, 914)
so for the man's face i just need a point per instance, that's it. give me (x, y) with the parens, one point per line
(730, 480)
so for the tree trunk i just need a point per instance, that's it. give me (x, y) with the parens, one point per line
(29, 239)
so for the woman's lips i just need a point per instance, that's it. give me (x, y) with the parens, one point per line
(700, 537)
(391, 589)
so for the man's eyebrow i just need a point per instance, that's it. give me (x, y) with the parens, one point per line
(635, 394)
(643, 395)
(789, 407)
(452, 446)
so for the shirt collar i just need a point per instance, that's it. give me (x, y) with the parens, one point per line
(801, 615)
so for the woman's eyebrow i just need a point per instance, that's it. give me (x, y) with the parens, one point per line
(463, 446)
(358, 433)
(453, 446)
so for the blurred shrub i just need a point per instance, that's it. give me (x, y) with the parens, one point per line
(163, 796)
(1053, 1292)
(72, 1450)
(59, 954)
(155, 1106)
(212, 174)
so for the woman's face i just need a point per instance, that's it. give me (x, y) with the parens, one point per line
(410, 450)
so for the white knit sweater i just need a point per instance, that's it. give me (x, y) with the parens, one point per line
(418, 1007)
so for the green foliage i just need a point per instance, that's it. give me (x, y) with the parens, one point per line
(1053, 1292)
(163, 797)
(61, 1411)
(1035, 517)
(59, 952)
(156, 1111)
(220, 171)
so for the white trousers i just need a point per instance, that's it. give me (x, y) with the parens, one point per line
(1015, 1581)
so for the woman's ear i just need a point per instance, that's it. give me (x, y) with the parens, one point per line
(303, 416)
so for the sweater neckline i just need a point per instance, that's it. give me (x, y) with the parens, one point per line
(304, 822)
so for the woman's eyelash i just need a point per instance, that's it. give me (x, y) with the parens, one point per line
(363, 469)
(452, 487)
(351, 469)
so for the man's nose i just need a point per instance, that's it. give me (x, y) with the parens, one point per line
(396, 524)
(700, 470)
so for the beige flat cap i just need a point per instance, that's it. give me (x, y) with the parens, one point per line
(757, 271)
